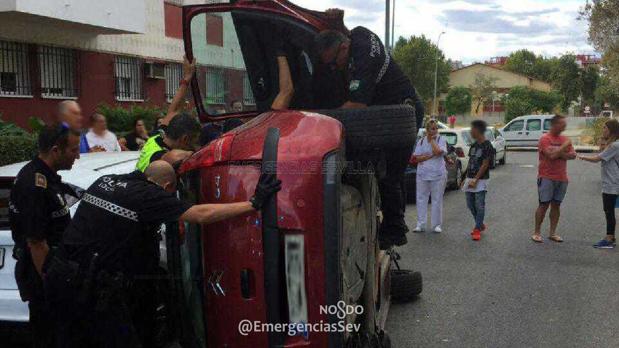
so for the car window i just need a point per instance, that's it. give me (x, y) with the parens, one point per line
(547, 124)
(450, 138)
(489, 135)
(515, 126)
(5, 192)
(534, 125)
(466, 137)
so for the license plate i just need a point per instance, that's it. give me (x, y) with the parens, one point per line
(2, 253)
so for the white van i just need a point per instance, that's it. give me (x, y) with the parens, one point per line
(526, 131)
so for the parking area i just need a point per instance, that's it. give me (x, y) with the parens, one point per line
(506, 291)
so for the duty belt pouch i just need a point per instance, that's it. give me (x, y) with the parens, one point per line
(28, 280)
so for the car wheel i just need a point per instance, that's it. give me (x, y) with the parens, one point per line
(456, 184)
(504, 159)
(406, 285)
(392, 126)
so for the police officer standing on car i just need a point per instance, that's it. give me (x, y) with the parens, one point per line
(113, 236)
(38, 215)
(375, 79)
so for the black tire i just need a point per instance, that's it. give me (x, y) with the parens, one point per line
(456, 184)
(383, 127)
(405, 285)
(504, 159)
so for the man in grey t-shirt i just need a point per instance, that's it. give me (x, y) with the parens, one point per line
(610, 181)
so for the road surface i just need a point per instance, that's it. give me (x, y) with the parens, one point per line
(506, 291)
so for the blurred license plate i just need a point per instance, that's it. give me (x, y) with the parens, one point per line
(2, 252)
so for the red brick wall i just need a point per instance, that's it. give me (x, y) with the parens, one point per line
(173, 21)
(96, 83)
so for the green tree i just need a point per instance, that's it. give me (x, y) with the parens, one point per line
(522, 62)
(417, 58)
(590, 78)
(544, 67)
(607, 93)
(524, 100)
(566, 79)
(458, 101)
(482, 89)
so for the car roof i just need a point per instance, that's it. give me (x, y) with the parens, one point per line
(526, 117)
(88, 168)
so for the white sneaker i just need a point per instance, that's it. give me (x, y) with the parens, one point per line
(438, 229)
(419, 229)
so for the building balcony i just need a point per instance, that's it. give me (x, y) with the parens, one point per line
(93, 17)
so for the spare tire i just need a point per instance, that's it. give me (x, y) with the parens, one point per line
(383, 127)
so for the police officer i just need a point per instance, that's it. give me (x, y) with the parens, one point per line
(175, 144)
(114, 236)
(375, 79)
(38, 215)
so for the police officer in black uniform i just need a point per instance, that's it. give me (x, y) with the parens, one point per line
(39, 214)
(375, 79)
(114, 238)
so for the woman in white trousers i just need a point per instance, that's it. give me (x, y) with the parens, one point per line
(431, 177)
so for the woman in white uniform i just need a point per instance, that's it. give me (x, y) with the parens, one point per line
(431, 177)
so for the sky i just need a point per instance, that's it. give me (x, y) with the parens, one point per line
(475, 30)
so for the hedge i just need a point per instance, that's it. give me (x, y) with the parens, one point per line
(120, 120)
(17, 148)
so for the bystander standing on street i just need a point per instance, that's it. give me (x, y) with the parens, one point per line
(552, 180)
(477, 176)
(610, 181)
(100, 137)
(70, 112)
(431, 177)
(136, 139)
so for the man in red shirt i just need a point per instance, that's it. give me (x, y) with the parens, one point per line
(554, 152)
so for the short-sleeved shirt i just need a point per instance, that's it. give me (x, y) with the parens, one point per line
(477, 154)
(548, 168)
(107, 141)
(610, 169)
(38, 207)
(118, 218)
(135, 142)
(434, 168)
(375, 78)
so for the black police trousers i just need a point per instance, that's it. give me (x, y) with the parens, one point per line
(41, 324)
(392, 194)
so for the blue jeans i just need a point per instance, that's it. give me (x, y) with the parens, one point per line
(476, 201)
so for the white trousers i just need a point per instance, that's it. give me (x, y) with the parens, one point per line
(425, 189)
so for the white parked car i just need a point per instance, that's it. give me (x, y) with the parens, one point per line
(498, 143)
(525, 131)
(460, 139)
(85, 171)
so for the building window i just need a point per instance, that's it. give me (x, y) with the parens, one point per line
(14, 69)
(173, 76)
(248, 95)
(58, 68)
(214, 30)
(128, 74)
(215, 86)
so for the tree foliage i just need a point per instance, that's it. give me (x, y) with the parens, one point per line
(417, 58)
(590, 78)
(527, 63)
(482, 89)
(566, 79)
(459, 100)
(524, 100)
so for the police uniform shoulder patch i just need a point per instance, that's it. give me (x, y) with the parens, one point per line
(40, 180)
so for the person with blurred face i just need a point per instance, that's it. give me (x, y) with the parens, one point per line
(552, 180)
(236, 106)
(38, 215)
(69, 112)
(431, 177)
(137, 138)
(99, 137)
(609, 157)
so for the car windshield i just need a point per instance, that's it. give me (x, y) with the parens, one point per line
(450, 138)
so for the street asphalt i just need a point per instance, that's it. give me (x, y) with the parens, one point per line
(506, 291)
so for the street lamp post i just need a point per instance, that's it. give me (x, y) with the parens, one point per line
(434, 109)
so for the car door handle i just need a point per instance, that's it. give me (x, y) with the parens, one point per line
(527, 133)
(519, 132)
